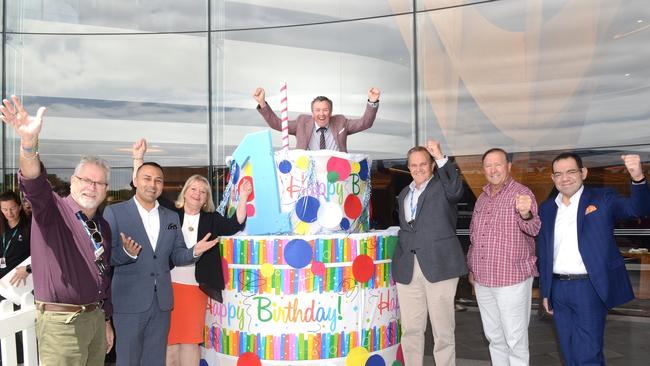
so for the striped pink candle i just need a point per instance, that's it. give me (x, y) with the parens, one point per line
(284, 114)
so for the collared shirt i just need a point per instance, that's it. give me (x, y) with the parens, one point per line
(330, 141)
(502, 252)
(151, 222)
(63, 256)
(566, 256)
(411, 199)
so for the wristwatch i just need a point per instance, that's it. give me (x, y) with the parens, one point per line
(28, 268)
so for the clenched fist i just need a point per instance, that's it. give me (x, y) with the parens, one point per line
(373, 95)
(523, 203)
(260, 96)
(433, 147)
(633, 166)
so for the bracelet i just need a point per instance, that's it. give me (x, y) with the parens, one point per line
(134, 158)
(28, 268)
(638, 181)
(30, 157)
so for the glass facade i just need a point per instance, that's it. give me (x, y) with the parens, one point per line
(533, 77)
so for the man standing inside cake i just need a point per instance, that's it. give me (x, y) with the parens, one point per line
(428, 259)
(321, 130)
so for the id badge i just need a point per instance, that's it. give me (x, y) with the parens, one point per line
(3, 262)
(99, 251)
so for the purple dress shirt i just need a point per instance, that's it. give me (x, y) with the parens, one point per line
(63, 258)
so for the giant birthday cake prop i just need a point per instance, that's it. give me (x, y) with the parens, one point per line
(322, 293)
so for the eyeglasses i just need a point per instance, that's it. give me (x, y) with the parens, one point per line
(88, 182)
(95, 234)
(558, 175)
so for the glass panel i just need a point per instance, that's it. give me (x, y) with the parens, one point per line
(340, 60)
(506, 74)
(115, 16)
(228, 14)
(421, 5)
(103, 96)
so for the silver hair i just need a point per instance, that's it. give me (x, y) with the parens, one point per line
(94, 160)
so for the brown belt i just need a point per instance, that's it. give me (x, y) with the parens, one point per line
(68, 308)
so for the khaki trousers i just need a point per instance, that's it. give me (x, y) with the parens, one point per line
(415, 299)
(65, 339)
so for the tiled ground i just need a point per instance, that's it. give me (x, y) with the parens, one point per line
(627, 341)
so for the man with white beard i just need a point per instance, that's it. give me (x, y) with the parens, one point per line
(70, 248)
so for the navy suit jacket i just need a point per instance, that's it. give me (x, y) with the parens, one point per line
(134, 280)
(596, 241)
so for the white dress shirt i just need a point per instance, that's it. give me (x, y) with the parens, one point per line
(566, 256)
(411, 199)
(151, 222)
(330, 141)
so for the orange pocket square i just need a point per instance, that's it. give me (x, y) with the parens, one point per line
(590, 209)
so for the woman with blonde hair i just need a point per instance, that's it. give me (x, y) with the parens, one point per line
(194, 283)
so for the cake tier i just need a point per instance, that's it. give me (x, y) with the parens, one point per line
(312, 300)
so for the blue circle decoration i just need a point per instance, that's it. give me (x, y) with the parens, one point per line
(363, 169)
(285, 166)
(345, 224)
(298, 253)
(203, 362)
(307, 208)
(234, 172)
(375, 360)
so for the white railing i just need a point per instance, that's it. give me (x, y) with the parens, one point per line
(12, 322)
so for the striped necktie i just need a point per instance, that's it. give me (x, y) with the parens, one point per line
(322, 137)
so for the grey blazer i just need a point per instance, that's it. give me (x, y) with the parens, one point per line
(134, 280)
(432, 235)
(303, 126)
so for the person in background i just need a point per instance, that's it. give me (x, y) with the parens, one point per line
(15, 238)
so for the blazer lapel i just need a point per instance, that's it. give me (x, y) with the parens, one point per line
(582, 208)
(400, 198)
(162, 216)
(551, 213)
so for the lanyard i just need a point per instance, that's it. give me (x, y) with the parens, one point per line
(413, 207)
(96, 246)
(6, 244)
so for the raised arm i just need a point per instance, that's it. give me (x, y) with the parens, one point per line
(137, 151)
(28, 128)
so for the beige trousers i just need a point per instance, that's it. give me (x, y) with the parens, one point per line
(415, 299)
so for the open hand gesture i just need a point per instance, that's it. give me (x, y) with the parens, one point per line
(130, 245)
(26, 127)
(204, 245)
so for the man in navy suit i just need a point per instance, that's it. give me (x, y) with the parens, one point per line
(582, 273)
(146, 238)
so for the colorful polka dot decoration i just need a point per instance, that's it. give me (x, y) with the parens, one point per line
(307, 208)
(298, 253)
(375, 360)
(345, 224)
(250, 210)
(301, 228)
(329, 215)
(333, 177)
(302, 163)
(397, 363)
(339, 166)
(248, 169)
(363, 170)
(284, 167)
(203, 362)
(249, 359)
(352, 206)
(318, 268)
(355, 167)
(363, 267)
(249, 180)
(400, 355)
(267, 269)
(357, 356)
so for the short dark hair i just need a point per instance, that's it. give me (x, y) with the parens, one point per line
(568, 155)
(10, 196)
(497, 149)
(418, 149)
(149, 163)
(321, 98)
